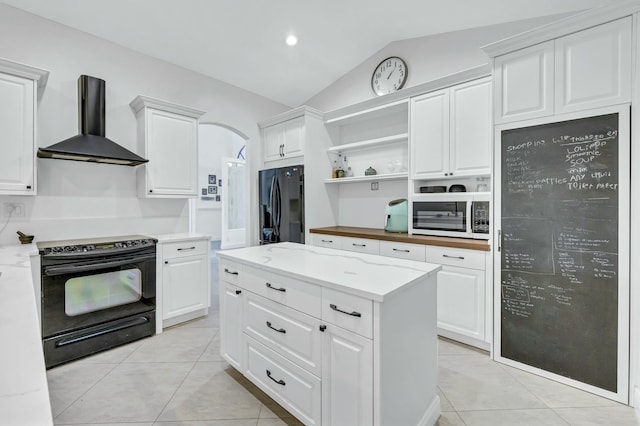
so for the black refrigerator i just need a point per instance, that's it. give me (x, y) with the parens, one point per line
(281, 194)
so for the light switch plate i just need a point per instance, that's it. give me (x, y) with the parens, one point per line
(374, 186)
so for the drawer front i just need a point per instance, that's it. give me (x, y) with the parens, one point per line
(292, 334)
(299, 295)
(184, 248)
(402, 250)
(328, 241)
(297, 390)
(229, 271)
(462, 258)
(361, 245)
(347, 311)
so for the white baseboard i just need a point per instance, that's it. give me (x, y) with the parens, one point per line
(432, 414)
(183, 318)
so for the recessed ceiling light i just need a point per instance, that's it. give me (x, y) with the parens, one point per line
(291, 40)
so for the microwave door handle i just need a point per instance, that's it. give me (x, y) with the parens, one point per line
(469, 224)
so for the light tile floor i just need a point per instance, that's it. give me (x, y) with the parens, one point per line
(178, 378)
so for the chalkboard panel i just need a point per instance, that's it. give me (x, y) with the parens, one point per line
(559, 255)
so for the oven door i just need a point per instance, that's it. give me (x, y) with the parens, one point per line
(77, 294)
(445, 218)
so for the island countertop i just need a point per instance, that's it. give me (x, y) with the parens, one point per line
(366, 275)
(24, 394)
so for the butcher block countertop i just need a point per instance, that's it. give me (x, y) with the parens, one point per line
(381, 234)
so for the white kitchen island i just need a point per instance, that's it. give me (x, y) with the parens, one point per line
(335, 337)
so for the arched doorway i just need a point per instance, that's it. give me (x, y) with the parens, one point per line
(222, 177)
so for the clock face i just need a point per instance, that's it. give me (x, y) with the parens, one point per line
(389, 76)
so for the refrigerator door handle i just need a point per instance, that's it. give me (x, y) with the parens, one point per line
(276, 207)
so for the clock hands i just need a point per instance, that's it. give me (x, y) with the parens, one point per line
(394, 68)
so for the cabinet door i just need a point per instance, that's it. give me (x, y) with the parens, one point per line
(523, 86)
(593, 67)
(470, 139)
(347, 378)
(17, 115)
(429, 135)
(294, 137)
(272, 140)
(231, 308)
(185, 286)
(172, 149)
(461, 301)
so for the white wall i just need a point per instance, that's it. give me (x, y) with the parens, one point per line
(427, 58)
(214, 143)
(76, 199)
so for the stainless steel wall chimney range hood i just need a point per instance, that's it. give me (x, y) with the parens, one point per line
(91, 144)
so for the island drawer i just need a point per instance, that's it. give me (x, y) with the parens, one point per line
(296, 294)
(361, 245)
(184, 248)
(292, 334)
(348, 311)
(456, 257)
(297, 390)
(402, 250)
(229, 271)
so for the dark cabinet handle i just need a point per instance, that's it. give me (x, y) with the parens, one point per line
(322, 328)
(238, 291)
(28, 186)
(230, 272)
(327, 241)
(453, 257)
(166, 262)
(279, 330)
(151, 190)
(280, 382)
(404, 251)
(353, 314)
(282, 289)
(358, 245)
(187, 248)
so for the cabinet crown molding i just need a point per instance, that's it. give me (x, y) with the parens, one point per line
(26, 71)
(300, 111)
(562, 27)
(142, 101)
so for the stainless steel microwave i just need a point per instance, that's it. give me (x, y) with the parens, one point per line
(465, 215)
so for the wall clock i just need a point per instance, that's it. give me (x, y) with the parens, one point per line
(389, 76)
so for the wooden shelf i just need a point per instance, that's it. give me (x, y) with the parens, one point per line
(369, 143)
(386, 176)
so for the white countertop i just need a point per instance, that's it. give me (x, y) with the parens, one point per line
(167, 238)
(24, 394)
(366, 275)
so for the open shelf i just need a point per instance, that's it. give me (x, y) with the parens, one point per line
(386, 176)
(369, 143)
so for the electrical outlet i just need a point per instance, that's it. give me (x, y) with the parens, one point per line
(13, 210)
(374, 186)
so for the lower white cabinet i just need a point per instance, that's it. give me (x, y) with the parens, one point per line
(183, 282)
(402, 250)
(321, 357)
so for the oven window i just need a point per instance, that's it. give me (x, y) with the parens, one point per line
(101, 291)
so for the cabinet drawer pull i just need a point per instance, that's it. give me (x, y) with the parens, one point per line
(187, 248)
(279, 330)
(238, 291)
(358, 245)
(282, 289)
(353, 314)
(327, 241)
(230, 272)
(280, 382)
(404, 251)
(453, 257)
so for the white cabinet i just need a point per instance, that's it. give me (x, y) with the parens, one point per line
(402, 250)
(328, 241)
(587, 69)
(284, 140)
(461, 293)
(347, 383)
(19, 86)
(450, 131)
(183, 282)
(168, 137)
(315, 347)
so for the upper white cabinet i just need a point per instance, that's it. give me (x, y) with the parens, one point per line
(168, 137)
(450, 131)
(593, 67)
(284, 136)
(587, 69)
(19, 85)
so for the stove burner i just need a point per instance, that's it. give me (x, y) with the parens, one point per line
(98, 248)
